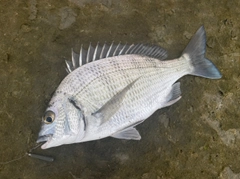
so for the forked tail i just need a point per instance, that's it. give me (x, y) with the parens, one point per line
(195, 53)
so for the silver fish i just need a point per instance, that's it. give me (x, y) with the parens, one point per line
(111, 89)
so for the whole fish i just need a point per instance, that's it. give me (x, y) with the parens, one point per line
(111, 89)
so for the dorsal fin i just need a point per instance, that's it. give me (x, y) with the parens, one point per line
(100, 52)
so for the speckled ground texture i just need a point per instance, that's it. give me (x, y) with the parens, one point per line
(198, 137)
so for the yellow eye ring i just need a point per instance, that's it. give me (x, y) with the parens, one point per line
(49, 117)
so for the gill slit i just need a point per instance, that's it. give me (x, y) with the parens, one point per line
(77, 107)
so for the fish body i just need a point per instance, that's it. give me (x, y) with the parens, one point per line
(118, 88)
(147, 94)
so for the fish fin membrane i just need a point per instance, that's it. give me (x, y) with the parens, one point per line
(128, 134)
(174, 95)
(105, 51)
(195, 52)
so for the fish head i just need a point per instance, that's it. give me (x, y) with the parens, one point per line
(62, 123)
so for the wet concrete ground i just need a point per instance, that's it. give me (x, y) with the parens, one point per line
(198, 137)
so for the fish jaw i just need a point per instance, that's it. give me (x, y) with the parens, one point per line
(44, 138)
(54, 142)
(50, 140)
(46, 133)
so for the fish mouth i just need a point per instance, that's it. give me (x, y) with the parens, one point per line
(44, 138)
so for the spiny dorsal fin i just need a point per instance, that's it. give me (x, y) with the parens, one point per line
(100, 52)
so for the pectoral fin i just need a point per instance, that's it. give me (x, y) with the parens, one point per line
(112, 106)
(128, 134)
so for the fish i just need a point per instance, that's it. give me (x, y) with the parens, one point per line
(109, 90)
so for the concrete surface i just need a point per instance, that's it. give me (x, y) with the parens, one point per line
(198, 137)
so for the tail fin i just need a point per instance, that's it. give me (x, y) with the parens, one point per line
(195, 52)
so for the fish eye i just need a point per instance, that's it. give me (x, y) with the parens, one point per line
(49, 117)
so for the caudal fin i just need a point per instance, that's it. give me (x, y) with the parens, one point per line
(195, 52)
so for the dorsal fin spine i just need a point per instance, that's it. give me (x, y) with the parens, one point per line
(68, 66)
(95, 52)
(88, 53)
(145, 50)
(148, 51)
(73, 60)
(103, 48)
(139, 48)
(109, 50)
(115, 51)
(133, 49)
(127, 51)
(120, 53)
(81, 56)
(155, 53)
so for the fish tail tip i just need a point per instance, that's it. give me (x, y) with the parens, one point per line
(195, 53)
